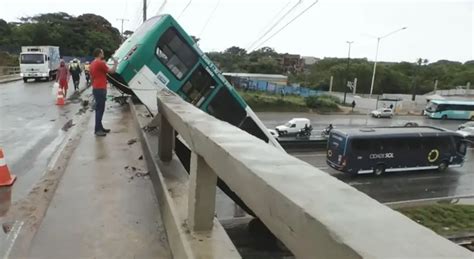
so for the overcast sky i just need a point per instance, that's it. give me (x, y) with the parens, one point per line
(437, 29)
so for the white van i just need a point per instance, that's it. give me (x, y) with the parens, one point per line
(295, 126)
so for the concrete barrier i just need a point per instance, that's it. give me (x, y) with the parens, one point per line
(312, 213)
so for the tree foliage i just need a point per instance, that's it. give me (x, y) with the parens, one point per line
(76, 36)
(390, 77)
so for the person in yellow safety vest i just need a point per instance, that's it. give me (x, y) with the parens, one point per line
(86, 72)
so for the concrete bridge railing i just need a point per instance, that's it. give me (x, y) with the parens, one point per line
(312, 213)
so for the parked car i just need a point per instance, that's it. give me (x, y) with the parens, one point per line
(467, 133)
(465, 125)
(295, 126)
(382, 113)
(274, 133)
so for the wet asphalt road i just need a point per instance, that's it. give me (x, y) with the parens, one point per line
(30, 129)
(390, 187)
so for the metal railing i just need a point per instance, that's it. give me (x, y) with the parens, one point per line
(312, 213)
(7, 72)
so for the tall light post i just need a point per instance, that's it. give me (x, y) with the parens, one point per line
(347, 69)
(376, 56)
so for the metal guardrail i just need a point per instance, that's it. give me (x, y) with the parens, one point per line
(4, 71)
(311, 212)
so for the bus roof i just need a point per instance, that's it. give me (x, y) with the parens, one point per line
(444, 101)
(394, 131)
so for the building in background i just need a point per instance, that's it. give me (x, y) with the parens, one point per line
(237, 79)
(309, 60)
(291, 63)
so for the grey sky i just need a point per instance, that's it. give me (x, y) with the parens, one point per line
(437, 29)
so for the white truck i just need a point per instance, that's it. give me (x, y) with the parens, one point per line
(39, 62)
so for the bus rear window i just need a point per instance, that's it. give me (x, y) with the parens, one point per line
(175, 53)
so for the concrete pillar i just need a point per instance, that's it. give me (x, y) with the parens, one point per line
(202, 194)
(355, 86)
(330, 84)
(166, 140)
(435, 85)
(468, 86)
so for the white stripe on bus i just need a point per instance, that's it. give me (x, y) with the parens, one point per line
(407, 169)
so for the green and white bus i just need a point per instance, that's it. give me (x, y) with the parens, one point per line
(161, 54)
(450, 109)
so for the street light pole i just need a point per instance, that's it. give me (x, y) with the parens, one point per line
(376, 56)
(347, 69)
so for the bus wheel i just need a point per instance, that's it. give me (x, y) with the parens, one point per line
(444, 117)
(443, 166)
(379, 170)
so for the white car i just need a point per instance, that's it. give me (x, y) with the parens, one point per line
(274, 133)
(295, 127)
(466, 125)
(382, 113)
(467, 133)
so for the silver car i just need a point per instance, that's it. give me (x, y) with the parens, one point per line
(382, 113)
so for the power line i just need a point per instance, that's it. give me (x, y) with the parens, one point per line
(209, 18)
(272, 19)
(274, 25)
(162, 6)
(292, 20)
(184, 9)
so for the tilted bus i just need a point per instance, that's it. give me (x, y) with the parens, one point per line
(161, 54)
(450, 109)
(394, 149)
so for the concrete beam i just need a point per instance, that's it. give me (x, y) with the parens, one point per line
(202, 194)
(313, 213)
(166, 139)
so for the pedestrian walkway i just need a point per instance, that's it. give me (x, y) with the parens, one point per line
(105, 206)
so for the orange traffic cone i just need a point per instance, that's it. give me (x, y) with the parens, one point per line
(6, 179)
(60, 97)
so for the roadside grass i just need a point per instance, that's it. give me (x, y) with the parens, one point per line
(444, 219)
(261, 102)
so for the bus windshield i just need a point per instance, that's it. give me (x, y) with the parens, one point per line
(432, 107)
(32, 59)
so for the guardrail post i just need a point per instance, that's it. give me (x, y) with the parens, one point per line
(202, 194)
(166, 139)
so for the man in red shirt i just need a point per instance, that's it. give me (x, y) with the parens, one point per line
(98, 71)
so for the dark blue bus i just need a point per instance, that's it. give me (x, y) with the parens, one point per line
(393, 149)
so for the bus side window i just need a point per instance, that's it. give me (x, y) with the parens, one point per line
(198, 87)
(175, 53)
(360, 145)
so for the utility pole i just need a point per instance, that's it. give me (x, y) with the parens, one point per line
(347, 70)
(122, 20)
(144, 10)
(419, 62)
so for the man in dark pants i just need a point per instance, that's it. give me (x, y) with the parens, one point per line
(98, 70)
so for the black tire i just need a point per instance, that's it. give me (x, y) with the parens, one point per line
(25, 80)
(379, 170)
(444, 117)
(378, 116)
(443, 166)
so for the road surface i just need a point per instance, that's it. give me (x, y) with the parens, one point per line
(31, 129)
(391, 186)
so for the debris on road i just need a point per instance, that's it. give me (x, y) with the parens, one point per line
(132, 141)
(140, 157)
(67, 125)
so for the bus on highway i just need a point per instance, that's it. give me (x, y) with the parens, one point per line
(450, 109)
(161, 54)
(394, 149)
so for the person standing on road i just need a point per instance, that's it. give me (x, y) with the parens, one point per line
(353, 104)
(62, 77)
(98, 70)
(87, 74)
(76, 71)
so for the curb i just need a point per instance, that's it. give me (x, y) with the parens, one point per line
(170, 185)
(25, 226)
(9, 80)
